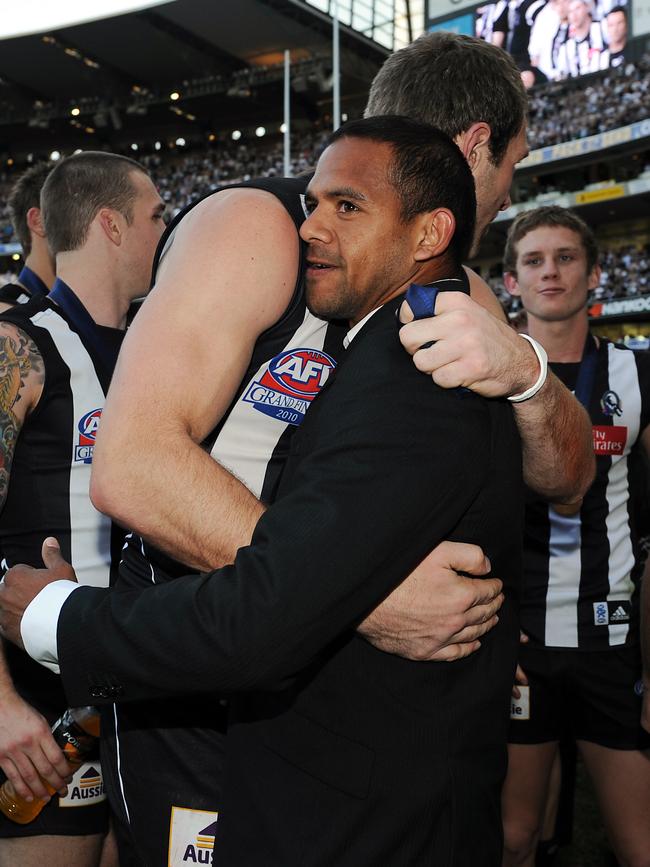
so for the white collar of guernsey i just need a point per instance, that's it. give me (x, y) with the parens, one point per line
(352, 333)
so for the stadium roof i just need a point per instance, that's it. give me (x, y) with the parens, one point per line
(222, 57)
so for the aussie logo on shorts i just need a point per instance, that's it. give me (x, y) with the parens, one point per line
(87, 429)
(199, 851)
(86, 788)
(191, 836)
(290, 383)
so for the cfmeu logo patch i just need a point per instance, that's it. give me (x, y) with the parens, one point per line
(87, 429)
(290, 383)
(86, 788)
(191, 836)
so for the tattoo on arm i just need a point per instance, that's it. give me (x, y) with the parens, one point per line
(21, 368)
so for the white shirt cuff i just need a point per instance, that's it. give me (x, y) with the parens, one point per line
(40, 621)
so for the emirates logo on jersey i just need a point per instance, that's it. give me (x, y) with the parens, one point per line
(609, 439)
(290, 383)
(87, 431)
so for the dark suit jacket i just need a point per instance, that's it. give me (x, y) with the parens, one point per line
(366, 758)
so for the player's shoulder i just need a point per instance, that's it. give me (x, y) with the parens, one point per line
(251, 200)
(240, 213)
(25, 316)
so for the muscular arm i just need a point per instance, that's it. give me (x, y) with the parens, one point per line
(474, 349)
(27, 748)
(180, 366)
(557, 443)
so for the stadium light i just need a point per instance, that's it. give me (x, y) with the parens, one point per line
(236, 135)
(260, 131)
(78, 151)
(75, 112)
(55, 155)
(134, 146)
(157, 146)
(283, 128)
(180, 142)
(174, 95)
(10, 161)
(212, 137)
(15, 256)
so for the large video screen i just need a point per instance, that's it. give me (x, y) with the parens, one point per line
(555, 39)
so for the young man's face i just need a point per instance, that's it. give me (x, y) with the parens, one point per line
(360, 252)
(493, 184)
(552, 277)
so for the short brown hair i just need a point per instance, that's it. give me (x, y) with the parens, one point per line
(427, 171)
(78, 187)
(549, 215)
(452, 81)
(26, 194)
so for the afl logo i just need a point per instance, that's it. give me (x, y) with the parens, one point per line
(302, 372)
(290, 383)
(87, 428)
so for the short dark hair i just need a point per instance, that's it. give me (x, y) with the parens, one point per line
(427, 171)
(26, 194)
(453, 81)
(617, 9)
(549, 215)
(78, 187)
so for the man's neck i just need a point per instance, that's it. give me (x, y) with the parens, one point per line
(98, 294)
(41, 265)
(563, 341)
(423, 275)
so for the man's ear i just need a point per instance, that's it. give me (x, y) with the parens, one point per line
(475, 143)
(510, 282)
(594, 278)
(437, 230)
(35, 222)
(110, 223)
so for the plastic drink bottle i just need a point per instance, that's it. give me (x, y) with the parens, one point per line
(76, 732)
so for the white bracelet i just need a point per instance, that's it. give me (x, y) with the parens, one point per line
(542, 357)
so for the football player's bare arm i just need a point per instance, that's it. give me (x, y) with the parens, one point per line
(27, 749)
(228, 276)
(481, 352)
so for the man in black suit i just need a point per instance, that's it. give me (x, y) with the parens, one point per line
(358, 757)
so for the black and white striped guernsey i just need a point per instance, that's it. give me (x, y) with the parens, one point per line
(291, 362)
(28, 286)
(50, 476)
(580, 571)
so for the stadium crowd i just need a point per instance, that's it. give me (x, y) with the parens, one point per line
(567, 110)
(559, 112)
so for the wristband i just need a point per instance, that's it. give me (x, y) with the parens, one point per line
(542, 357)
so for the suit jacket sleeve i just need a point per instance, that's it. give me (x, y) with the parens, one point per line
(382, 454)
